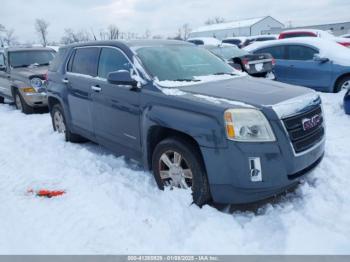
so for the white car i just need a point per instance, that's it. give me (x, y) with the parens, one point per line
(314, 33)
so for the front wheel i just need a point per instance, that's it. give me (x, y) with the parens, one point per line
(343, 83)
(21, 104)
(177, 163)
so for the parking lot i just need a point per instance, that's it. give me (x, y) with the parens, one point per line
(112, 207)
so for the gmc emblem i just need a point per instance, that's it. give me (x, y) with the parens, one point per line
(309, 123)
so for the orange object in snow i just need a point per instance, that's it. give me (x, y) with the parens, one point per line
(47, 193)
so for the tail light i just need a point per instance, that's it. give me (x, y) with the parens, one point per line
(273, 61)
(245, 63)
(45, 76)
(346, 44)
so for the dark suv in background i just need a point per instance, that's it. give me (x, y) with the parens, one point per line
(183, 113)
(22, 76)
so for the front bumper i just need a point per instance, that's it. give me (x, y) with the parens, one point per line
(35, 99)
(229, 169)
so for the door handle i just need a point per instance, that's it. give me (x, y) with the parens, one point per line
(65, 81)
(96, 88)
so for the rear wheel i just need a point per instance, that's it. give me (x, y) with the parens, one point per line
(177, 163)
(21, 104)
(60, 125)
(343, 83)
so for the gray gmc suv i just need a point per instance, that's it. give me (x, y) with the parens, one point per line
(187, 116)
(22, 76)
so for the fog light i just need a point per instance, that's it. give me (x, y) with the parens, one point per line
(255, 169)
(28, 90)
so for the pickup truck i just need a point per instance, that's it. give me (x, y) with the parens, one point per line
(22, 76)
(188, 117)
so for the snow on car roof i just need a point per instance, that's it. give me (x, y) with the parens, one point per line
(229, 25)
(326, 47)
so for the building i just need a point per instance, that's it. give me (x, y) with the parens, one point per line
(247, 27)
(336, 28)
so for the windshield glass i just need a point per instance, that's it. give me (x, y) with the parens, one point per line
(181, 62)
(27, 58)
(228, 52)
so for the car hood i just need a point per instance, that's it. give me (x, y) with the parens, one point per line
(30, 71)
(257, 92)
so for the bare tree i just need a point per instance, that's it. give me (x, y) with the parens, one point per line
(41, 27)
(2, 30)
(147, 34)
(113, 32)
(215, 20)
(9, 38)
(70, 36)
(186, 31)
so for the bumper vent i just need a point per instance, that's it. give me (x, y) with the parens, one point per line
(305, 130)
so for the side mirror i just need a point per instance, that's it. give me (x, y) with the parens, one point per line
(2, 68)
(320, 59)
(121, 77)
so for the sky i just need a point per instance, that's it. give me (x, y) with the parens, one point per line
(160, 17)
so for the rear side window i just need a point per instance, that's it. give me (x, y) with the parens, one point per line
(85, 61)
(196, 42)
(298, 52)
(56, 62)
(232, 41)
(112, 60)
(277, 52)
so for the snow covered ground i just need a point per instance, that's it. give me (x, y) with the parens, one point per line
(112, 207)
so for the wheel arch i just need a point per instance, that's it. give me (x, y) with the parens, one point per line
(339, 78)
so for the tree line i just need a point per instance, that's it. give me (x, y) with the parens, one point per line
(112, 32)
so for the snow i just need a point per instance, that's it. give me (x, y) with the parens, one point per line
(113, 207)
(229, 25)
(328, 48)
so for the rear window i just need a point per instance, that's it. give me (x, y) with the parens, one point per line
(277, 52)
(196, 42)
(301, 34)
(54, 66)
(85, 61)
(232, 41)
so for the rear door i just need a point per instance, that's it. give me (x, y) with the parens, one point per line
(82, 70)
(304, 70)
(4, 77)
(116, 111)
(278, 52)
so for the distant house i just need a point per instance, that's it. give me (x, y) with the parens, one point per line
(247, 27)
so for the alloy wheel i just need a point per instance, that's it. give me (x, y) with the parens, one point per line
(346, 85)
(59, 124)
(174, 170)
(18, 102)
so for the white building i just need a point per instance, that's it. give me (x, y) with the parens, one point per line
(247, 27)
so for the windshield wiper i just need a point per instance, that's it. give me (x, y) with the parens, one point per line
(44, 64)
(186, 80)
(20, 66)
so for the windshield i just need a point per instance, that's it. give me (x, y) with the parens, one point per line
(228, 52)
(181, 62)
(27, 58)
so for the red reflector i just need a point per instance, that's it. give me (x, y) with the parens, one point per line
(273, 61)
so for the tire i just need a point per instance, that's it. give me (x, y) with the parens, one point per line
(20, 104)
(59, 125)
(2, 100)
(190, 160)
(342, 83)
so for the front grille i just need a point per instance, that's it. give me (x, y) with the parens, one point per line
(304, 138)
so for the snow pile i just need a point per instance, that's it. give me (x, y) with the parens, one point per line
(112, 207)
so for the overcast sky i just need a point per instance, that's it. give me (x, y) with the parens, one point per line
(159, 16)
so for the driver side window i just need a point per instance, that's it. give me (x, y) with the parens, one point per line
(112, 60)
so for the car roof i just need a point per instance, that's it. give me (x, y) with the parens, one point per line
(18, 49)
(131, 43)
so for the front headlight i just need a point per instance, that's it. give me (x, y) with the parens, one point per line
(248, 125)
(36, 82)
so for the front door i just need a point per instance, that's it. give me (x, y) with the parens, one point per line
(82, 70)
(116, 111)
